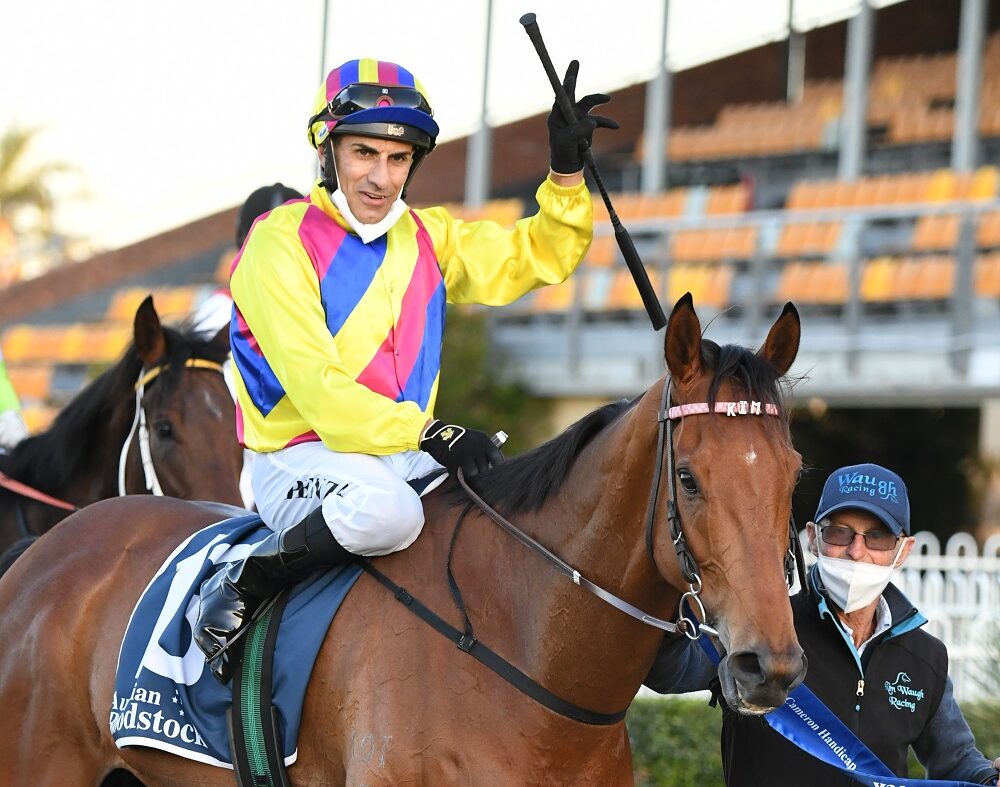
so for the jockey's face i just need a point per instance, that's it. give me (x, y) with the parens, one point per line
(371, 173)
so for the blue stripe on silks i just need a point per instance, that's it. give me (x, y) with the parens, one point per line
(348, 278)
(425, 370)
(262, 385)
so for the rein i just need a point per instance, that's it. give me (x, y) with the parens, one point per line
(692, 628)
(466, 639)
(139, 424)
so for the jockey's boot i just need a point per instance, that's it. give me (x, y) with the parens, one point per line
(231, 597)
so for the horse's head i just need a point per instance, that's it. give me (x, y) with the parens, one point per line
(189, 413)
(733, 479)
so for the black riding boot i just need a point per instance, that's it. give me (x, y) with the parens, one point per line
(231, 597)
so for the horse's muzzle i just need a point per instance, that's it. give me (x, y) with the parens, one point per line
(754, 683)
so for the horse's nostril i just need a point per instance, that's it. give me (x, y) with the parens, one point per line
(746, 668)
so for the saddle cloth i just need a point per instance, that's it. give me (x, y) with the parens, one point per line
(165, 696)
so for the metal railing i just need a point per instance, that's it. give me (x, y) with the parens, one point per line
(952, 330)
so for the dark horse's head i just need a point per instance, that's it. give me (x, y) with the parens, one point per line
(189, 423)
(734, 481)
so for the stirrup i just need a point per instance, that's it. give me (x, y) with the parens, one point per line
(264, 608)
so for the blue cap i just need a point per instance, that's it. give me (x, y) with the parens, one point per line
(871, 488)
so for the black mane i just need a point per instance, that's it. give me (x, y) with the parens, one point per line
(66, 451)
(524, 483)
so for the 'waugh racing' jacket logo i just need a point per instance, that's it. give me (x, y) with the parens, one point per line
(902, 696)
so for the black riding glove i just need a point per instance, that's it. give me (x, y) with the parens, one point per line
(456, 448)
(568, 139)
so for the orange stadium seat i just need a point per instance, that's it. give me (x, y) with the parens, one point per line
(941, 232)
(988, 233)
(933, 278)
(666, 204)
(555, 298)
(934, 233)
(600, 209)
(878, 279)
(27, 343)
(727, 199)
(628, 204)
(709, 245)
(708, 284)
(623, 295)
(811, 238)
(602, 252)
(829, 283)
(987, 276)
(38, 417)
(32, 383)
(791, 282)
(813, 282)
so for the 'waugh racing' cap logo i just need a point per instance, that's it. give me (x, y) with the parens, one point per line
(871, 488)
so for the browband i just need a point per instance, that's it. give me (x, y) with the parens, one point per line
(742, 407)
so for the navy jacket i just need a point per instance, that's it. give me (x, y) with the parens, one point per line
(896, 695)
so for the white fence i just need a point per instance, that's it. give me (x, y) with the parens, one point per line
(958, 590)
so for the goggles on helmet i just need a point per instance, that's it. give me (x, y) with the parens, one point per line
(394, 112)
(366, 95)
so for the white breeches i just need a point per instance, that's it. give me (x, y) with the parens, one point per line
(367, 504)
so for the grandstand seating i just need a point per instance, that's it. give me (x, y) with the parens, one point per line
(910, 97)
(812, 270)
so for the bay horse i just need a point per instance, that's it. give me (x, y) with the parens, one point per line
(188, 423)
(391, 701)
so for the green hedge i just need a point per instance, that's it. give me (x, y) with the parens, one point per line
(675, 741)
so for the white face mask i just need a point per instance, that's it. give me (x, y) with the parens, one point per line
(853, 585)
(367, 232)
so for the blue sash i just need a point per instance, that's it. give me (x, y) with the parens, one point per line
(809, 724)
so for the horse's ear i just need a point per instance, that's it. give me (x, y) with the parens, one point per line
(221, 340)
(782, 343)
(682, 345)
(150, 343)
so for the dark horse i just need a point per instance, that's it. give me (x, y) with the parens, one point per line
(189, 424)
(391, 701)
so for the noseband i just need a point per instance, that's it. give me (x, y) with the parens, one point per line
(147, 376)
(666, 416)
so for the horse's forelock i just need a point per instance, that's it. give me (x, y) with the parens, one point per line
(746, 371)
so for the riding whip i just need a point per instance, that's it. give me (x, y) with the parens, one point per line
(635, 266)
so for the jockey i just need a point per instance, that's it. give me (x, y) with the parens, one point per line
(340, 307)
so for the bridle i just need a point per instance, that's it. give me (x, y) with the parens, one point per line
(666, 416)
(147, 376)
(691, 627)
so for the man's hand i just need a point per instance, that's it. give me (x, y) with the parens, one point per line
(458, 448)
(569, 137)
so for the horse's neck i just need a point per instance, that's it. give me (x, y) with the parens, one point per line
(569, 640)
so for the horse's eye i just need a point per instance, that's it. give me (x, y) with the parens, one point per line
(164, 430)
(688, 484)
